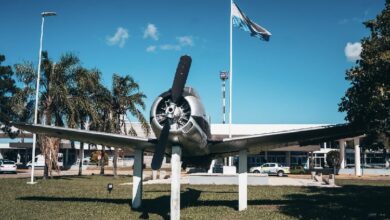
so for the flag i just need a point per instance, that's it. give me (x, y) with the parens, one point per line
(242, 21)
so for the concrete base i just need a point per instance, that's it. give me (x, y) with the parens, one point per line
(221, 179)
(229, 170)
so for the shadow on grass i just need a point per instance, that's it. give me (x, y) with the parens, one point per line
(159, 206)
(73, 199)
(347, 202)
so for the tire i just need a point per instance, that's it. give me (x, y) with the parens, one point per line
(256, 171)
(280, 173)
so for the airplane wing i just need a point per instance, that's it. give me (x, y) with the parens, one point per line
(93, 137)
(267, 141)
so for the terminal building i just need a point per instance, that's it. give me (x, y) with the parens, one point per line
(290, 154)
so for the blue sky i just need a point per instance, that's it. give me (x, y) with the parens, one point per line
(296, 77)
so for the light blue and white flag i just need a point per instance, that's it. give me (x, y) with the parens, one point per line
(242, 21)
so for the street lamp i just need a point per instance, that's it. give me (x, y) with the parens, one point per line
(43, 14)
(224, 75)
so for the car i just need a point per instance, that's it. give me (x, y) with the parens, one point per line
(7, 166)
(271, 168)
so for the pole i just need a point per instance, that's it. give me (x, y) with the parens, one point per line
(224, 101)
(231, 71)
(36, 104)
(224, 97)
(175, 183)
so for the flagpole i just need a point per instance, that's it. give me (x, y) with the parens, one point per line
(231, 71)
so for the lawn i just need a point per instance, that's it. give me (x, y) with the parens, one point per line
(86, 198)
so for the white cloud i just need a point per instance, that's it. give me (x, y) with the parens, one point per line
(170, 47)
(183, 41)
(352, 51)
(120, 37)
(151, 48)
(151, 32)
(186, 41)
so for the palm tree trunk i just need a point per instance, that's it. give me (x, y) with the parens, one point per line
(115, 162)
(102, 160)
(81, 155)
(46, 170)
(81, 158)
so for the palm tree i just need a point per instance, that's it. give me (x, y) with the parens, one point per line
(102, 100)
(126, 98)
(113, 107)
(55, 104)
(84, 88)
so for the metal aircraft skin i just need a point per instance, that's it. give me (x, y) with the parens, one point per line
(177, 117)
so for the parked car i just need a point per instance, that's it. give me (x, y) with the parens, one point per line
(271, 168)
(8, 166)
(297, 169)
(40, 161)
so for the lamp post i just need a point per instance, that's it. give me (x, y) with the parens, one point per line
(43, 14)
(224, 75)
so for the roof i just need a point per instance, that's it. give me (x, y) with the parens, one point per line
(295, 148)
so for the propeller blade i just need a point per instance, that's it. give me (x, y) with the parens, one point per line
(160, 147)
(180, 77)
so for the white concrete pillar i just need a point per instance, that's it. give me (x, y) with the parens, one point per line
(212, 166)
(242, 181)
(358, 170)
(342, 145)
(230, 161)
(154, 174)
(18, 158)
(137, 178)
(175, 182)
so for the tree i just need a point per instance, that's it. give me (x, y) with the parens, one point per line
(367, 101)
(104, 123)
(333, 160)
(113, 108)
(7, 90)
(84, 87)
(55, 106)
(126, 98)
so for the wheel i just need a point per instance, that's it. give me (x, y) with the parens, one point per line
(280, 173)
(256, 171)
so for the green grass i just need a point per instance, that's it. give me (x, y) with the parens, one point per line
(86, 198)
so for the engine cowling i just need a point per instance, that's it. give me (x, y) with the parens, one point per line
(187, 118)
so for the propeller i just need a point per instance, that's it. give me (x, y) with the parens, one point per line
(179, 82)
(180, 78)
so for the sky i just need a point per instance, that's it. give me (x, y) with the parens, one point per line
(297, 77)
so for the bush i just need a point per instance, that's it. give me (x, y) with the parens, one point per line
(96, 155)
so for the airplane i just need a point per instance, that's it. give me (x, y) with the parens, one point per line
(178, 118)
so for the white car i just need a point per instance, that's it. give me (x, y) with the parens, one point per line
(271, 168)
(7, 166)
